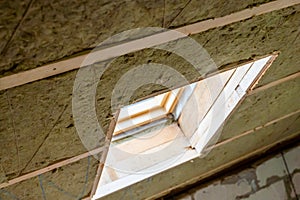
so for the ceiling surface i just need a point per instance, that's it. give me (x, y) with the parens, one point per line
(36, 123)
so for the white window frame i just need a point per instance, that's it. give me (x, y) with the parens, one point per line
(233, 91)
(146, 111)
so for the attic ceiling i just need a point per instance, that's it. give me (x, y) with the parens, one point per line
(36, 124)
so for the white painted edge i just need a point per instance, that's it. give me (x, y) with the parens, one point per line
(234, 92)
(134, 178)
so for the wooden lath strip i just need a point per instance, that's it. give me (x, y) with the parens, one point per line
(108, 138)
(263, 71)
(274, 83)
(253, 130)
(51, 167)
(236, 17)
(138, 44)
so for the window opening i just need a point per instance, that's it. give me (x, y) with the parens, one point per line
(175, 110)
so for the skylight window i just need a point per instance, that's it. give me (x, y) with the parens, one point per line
(197, 112)
(146, 111)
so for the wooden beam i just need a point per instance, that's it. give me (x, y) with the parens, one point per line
(138, 44)
(108, 138)
(274, 83)
(51, 167)
(253, 130)
(274, 55)
(236, 17)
